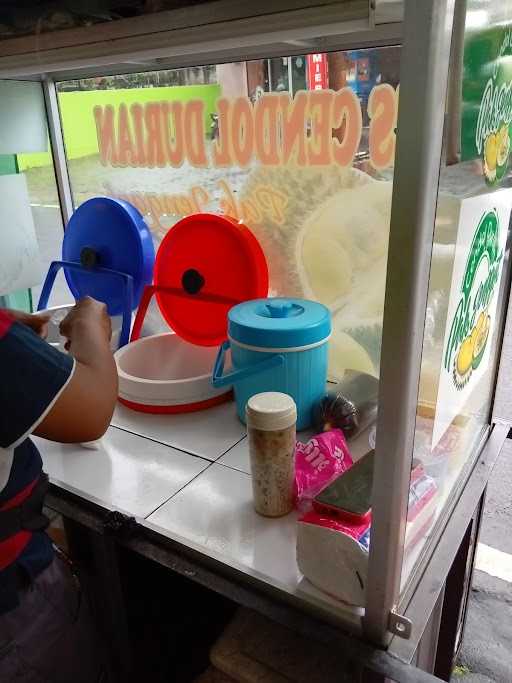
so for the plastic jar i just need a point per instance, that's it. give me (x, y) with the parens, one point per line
(271, 428)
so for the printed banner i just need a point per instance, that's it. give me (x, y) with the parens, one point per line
(471, 321)
(487, 101)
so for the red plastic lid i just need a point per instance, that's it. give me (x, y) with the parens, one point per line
(211, 263)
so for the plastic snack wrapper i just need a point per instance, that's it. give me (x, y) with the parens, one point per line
(422, 506)
(317, 463)
(350, 405)
(333, 553)
(436, 460)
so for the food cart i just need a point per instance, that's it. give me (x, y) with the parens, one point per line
(396, 217)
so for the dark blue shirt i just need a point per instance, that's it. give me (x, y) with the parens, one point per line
(32, 375)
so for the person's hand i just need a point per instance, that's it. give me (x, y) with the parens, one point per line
(83, 411)
(36, 321)
(88, 315)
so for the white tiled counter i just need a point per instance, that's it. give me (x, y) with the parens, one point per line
(187, 478)
(125, 472)
(214, 514)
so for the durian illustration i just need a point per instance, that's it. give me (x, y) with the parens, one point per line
(305, 188)
(344, 243)
(331, 246)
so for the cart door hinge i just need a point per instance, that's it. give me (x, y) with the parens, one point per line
(399, 625)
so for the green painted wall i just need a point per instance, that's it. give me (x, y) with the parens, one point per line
(21, 301)
(78, 119)
(8, 164)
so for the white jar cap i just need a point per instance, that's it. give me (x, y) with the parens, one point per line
(271, 411)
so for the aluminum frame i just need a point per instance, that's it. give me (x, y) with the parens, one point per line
(358, 36)
(423, 90)
(58, 150)
(231, 27)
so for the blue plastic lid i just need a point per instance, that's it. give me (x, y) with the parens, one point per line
(279, 323)
(110, 233)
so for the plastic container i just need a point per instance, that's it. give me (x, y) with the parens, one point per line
(271, 419)
(277, 345)
(205, 265)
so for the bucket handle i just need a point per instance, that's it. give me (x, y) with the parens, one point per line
(127, 280)
(222, 380)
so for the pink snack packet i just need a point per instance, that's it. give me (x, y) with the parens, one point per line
(317, 463)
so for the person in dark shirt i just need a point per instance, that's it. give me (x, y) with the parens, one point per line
(45, 630)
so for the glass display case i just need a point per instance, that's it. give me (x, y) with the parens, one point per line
(367, 149)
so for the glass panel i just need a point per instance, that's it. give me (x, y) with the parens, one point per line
(468, 279)
(26, 164)
(44, 202)
(22, 117)
(20, 300)
(174, 149)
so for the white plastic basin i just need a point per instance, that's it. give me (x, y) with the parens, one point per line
(164, 370)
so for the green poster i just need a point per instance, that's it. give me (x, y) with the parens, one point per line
(487, 100)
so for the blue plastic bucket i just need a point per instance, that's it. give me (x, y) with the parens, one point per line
(277, 345)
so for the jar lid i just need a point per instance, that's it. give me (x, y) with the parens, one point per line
(209, 263)
(271, 411)
(110, 233)
(279, 323)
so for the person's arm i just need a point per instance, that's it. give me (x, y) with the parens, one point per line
(83, 410)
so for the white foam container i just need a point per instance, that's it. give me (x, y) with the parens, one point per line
(164, 370)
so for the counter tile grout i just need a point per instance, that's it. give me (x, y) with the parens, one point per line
(229, 467)
(181, 489)
(166, 445)
(231, 448)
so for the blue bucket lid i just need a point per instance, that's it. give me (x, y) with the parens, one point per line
(117, 233)
(279, 323)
